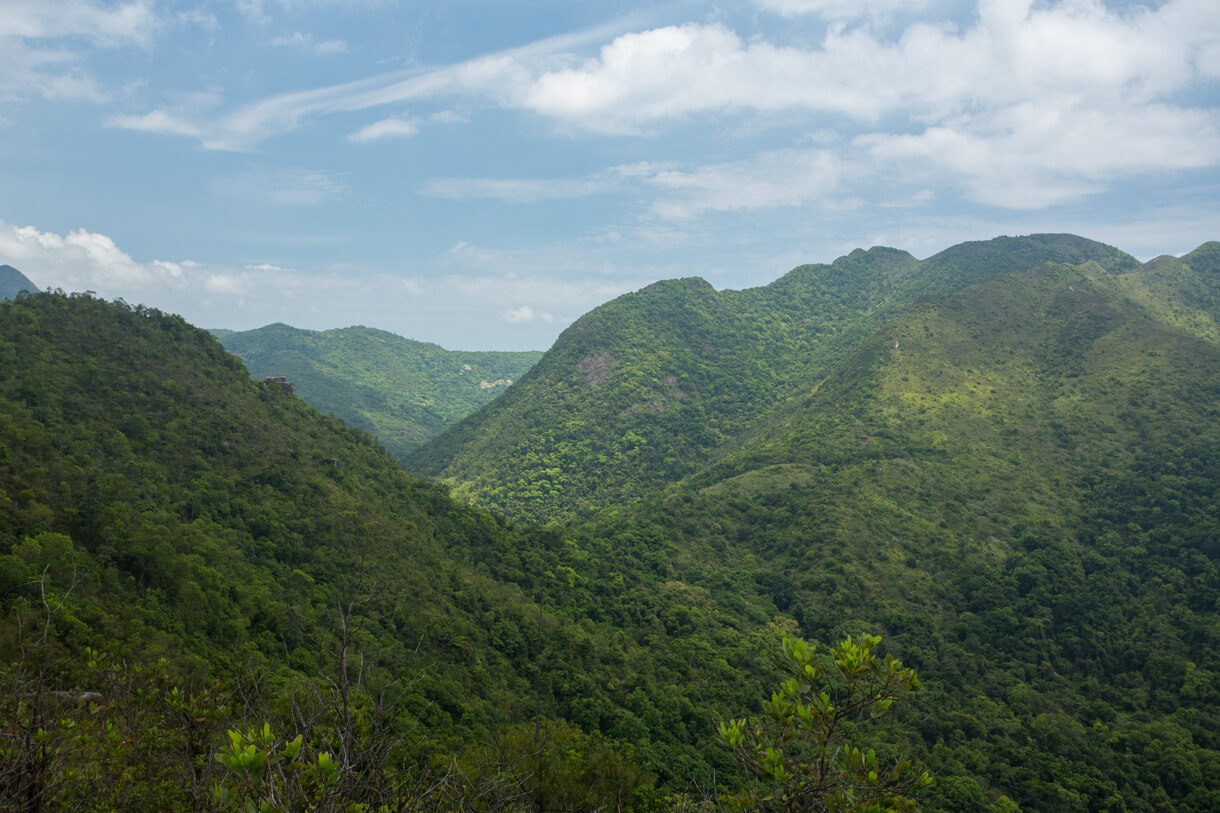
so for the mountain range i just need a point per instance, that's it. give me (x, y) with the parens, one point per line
(651, 387)
(1001, 459)
(402, 391)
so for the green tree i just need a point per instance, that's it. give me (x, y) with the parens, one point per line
(807, 753)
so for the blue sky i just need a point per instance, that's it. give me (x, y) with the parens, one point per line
(479, 174)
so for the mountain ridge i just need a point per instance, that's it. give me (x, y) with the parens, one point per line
(560, 447)
(401, 390)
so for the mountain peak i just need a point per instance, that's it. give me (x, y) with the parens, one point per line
(13, 282)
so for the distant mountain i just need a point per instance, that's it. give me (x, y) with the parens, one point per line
(13, 282)
(402, 391)
(1183, 292)
(646, 389)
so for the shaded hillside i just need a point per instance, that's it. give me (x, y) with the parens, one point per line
(13, 282)
(645, 389)
(401, 391)
(168, 523)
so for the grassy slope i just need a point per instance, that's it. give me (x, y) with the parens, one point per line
(402, 391)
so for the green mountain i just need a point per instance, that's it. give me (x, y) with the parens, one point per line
(401, 391)
(184, 550)
(1183, 292)
(1016, 484)
(646, 389)
(1011, 478)
(12, 282)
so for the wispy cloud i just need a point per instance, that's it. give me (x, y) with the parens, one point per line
(842, 9)
(518, 190)
(102, 24)
(306, 42)
(775, 178)
(45, 44)
(393, 127)
(282, 187)
(1053, 100)
(488, 77)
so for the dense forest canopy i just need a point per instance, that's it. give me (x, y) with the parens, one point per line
(402, 391)
(999, 460)
(653, 386)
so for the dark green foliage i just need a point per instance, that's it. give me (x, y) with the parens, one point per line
(401, 391)
(1014, 482)
(161, 507)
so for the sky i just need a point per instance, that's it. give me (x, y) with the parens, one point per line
(479, 173)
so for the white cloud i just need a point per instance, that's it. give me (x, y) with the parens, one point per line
(527, 314)
(1032, 156)
(306, 42)
(393, 127)
(43, 42)
(1054, 99)
(842, 9)
(81, 260)
(1013, 53)
(226, 284)
(100, 23)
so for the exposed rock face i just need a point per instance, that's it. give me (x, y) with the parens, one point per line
(596, 368)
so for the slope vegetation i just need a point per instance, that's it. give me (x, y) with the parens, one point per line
(1014, 481)
(1017, 485)
(401, 391)
(191, 551)
(645, 389)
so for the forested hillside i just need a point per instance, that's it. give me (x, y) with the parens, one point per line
(401, 391)
(1016, 485)
(197, 551)
(646, 389)
(1011, 478)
